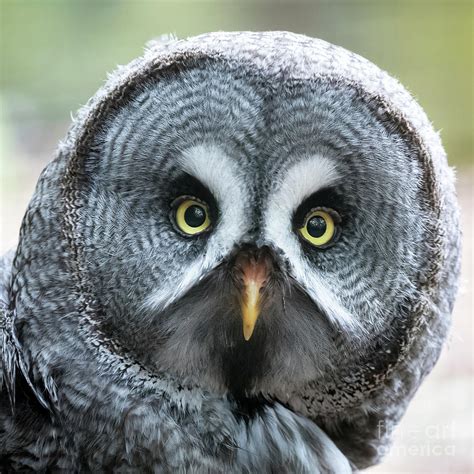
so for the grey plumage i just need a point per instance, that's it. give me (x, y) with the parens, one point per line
(122, 339)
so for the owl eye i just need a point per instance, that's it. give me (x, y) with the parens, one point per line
(318, 228)
(191, 215)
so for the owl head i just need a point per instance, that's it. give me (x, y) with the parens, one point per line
(263, 215)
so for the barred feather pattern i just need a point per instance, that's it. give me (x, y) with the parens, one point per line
(121, 338)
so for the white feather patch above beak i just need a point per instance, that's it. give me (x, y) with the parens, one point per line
(221, 175)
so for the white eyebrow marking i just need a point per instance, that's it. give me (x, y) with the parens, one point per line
(303, 179)
(298, 183)
(213, 168)
(293, 187)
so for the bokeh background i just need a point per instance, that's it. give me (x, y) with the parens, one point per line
(55, 54)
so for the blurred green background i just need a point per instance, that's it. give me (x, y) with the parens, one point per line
(55, 54)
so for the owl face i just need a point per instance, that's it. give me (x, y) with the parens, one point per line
(251, 237)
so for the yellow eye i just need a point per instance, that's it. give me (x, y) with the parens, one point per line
(318, 228)
(192, 217)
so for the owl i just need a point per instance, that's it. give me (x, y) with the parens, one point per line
(242, 259)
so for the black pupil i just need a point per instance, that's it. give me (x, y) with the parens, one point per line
(316, 226)
(195, 216)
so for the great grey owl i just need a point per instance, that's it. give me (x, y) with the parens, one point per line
(242, 259)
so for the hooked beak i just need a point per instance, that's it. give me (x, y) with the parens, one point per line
(254, 268)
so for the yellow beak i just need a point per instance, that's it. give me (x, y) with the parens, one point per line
(255, 271)
(250, 306)
(254, 266)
